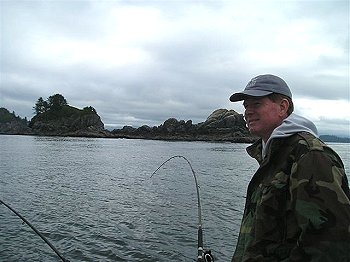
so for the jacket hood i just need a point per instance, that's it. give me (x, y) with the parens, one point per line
(291, 125)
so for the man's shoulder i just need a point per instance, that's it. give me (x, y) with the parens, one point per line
(311, 141)
(304, 143)
(307, 141)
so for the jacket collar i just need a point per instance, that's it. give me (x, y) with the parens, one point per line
(255, 150)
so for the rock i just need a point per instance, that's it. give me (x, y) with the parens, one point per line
(224, 118)
(128, 129)
(12, 124)
(68, 121)
(144, 129)
(221, 125)
(170, 125)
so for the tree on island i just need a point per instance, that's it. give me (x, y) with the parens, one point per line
(54, 102)
(41, 106)
(57, 101)
(89, 109)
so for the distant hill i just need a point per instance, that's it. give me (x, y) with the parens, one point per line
(335, 139)
(12, 124)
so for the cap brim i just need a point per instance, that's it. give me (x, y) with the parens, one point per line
(248, 93)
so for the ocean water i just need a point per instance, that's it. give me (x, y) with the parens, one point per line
(95, 199)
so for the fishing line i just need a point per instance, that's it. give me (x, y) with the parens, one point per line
(203, 255)
(35, 230)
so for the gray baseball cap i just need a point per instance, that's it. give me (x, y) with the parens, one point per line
(263, 85)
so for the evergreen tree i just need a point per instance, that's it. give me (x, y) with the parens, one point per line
(56, 101)
(41, 106)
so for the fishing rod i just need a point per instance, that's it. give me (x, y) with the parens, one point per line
(35, 230)
(203, 255)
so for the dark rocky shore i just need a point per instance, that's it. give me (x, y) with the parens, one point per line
(221, 125)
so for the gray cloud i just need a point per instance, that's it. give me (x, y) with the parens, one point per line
(141, 62)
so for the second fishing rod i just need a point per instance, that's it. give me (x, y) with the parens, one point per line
(203, 255)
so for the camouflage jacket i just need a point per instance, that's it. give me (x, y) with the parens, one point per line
(297, 206)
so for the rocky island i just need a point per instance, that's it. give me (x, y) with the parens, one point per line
(11, 124)
(54, 117)
(68, 121)
(221, 125)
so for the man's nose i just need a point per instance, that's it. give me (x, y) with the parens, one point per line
(247, 112)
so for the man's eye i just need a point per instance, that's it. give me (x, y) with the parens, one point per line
(252, 105)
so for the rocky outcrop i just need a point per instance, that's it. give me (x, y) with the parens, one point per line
(15, 128)
(69, 121)
(221, 125)
(12, 124)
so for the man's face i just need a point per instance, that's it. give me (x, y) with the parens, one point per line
(262, 116)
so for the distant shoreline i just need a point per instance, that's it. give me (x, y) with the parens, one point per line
(334, 139)
(222, 125)
(324, 138)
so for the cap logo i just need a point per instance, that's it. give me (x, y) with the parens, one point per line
(251, 83)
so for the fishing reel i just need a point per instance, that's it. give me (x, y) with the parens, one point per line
(206, 257)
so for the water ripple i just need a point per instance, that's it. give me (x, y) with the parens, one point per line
(95, 201)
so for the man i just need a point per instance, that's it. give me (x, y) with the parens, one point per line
(297, 205)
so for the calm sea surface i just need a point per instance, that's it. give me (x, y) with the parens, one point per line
(94, 199)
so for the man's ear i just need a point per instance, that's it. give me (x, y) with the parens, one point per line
(284, 105)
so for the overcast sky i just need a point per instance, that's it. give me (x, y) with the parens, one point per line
(142, 62)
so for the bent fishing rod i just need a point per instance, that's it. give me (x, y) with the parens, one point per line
(203, 255)
(35, 230)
